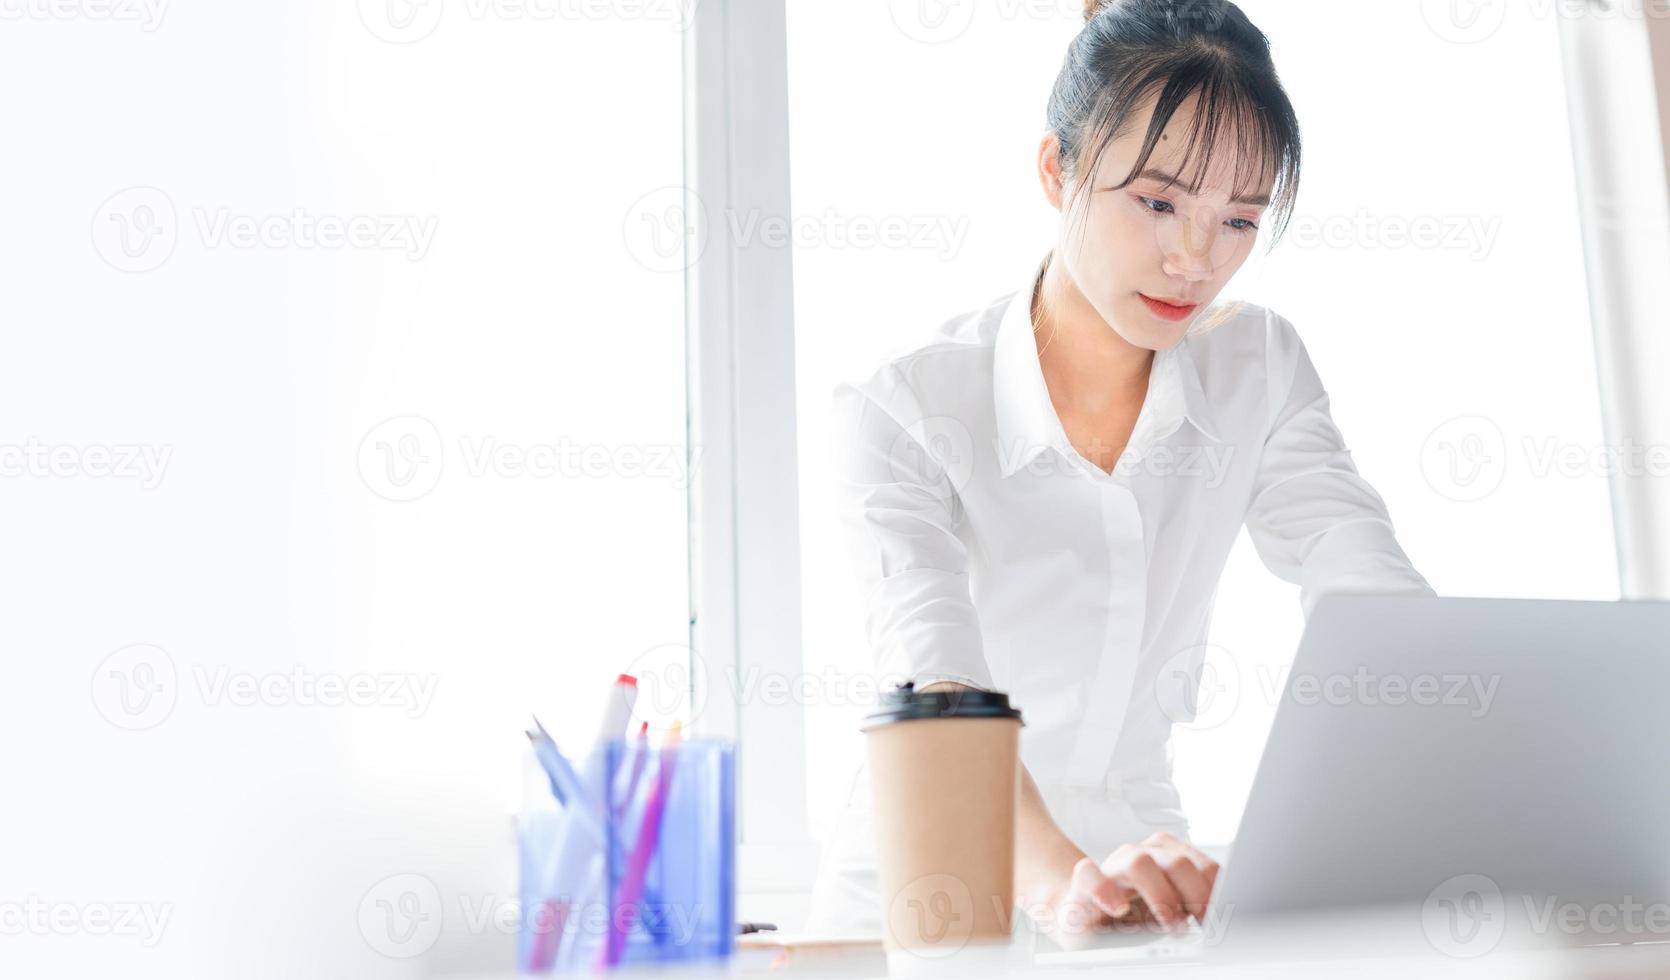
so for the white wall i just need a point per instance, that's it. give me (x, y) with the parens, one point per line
(537, 315)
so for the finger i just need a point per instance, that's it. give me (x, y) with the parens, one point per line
(1144, 874)
(1190, 882)
(1101, 890)
(1163, 842)
(1208, 867)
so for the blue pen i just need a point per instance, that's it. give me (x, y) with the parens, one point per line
(556, 767)
(565, 783)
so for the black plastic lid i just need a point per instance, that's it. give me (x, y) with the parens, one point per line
(905, 703)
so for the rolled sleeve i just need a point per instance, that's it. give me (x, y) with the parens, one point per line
(899, 511)
(1313, 519)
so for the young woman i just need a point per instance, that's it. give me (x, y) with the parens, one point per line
(1041, 498)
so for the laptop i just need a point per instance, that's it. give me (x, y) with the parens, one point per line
(1449, 775)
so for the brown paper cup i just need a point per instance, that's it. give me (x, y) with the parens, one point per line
(945, 773)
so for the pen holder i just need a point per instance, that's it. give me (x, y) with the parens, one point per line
(641, 869)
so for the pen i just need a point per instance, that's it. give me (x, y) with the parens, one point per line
(649, 835)
(565, 784)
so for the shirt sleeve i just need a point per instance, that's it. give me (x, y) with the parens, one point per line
(1313, 519)
(898, 509)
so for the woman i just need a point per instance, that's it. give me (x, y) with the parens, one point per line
(1041, 498)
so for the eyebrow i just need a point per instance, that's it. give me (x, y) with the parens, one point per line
(1257, 201)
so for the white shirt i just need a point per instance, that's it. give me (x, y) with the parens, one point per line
(989, 551)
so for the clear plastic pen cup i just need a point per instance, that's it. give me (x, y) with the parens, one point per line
(641, 869)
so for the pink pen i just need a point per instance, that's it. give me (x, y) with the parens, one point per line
(545, 942)
(649, 835)
(640, 752)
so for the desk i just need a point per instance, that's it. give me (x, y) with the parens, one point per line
(1332, 947)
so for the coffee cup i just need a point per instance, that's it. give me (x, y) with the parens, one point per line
(945, 774)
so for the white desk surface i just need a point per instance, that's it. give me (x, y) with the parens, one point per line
(1640, 961)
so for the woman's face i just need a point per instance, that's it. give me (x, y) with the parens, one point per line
(1150, 240)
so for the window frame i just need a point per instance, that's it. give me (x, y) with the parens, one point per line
(745, 623)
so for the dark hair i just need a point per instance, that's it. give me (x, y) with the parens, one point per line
(1129, 49)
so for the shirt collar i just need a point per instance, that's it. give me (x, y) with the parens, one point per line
(1026, 420)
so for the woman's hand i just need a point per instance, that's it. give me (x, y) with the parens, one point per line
(1162, 881)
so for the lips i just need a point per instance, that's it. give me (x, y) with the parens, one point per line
(1170, 311)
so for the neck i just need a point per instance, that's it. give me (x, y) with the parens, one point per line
(1086, 363)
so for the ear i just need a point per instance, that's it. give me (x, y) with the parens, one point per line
(1050, 172)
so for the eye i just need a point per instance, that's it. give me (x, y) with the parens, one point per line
(1243, 226)
(1155, 205)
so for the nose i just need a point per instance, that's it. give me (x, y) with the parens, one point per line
(1191, 253)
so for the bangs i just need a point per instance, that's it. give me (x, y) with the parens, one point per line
(1230, 117)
